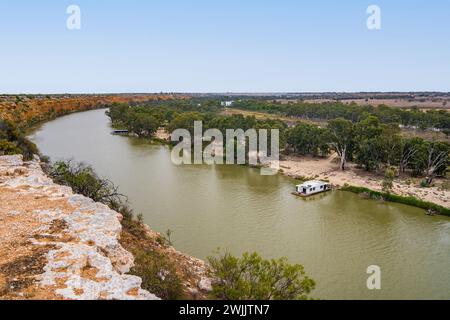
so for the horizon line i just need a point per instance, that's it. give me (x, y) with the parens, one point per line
(224, 93)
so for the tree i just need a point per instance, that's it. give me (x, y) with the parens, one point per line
(388, 180)
(341, 137)
(307, 139)
(408, 150)
(185, 121)
(117, 111)
(353, 112)
(391, 141)
(370, 145)
(254, 278)
(437, 159)
(144, 124)
(418, 162)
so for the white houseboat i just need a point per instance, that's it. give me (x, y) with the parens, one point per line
(309, 188)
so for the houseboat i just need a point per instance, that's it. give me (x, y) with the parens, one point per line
(310, 188)
(120, 132)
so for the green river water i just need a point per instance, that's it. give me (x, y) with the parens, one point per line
(336, 236)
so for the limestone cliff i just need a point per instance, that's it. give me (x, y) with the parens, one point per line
(58, 245)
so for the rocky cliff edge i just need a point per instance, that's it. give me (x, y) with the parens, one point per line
(55, 244)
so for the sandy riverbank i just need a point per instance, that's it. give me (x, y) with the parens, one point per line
(328, 169)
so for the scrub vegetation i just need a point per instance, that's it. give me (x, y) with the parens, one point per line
(254, 278)
(13, 141)
(412, 201)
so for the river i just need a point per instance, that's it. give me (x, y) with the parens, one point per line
(336, 236)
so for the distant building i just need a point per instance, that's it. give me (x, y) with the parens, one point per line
(226, 103)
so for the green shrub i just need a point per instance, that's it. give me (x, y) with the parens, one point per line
(254, 278)
(13, 141)
(83, 180)
(165, 240)
(158, 275)
(424, 184)
(411, 201)
(388, 180)
(8, 148)
(134, 227)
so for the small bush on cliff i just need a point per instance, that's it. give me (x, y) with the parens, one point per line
(83, 180)
(133, 226)
(8, 148)
(158, 275)
(254, 278)
(165, 240)
(13, 141)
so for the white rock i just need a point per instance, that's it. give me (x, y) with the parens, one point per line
(94, 231)
(205, 284)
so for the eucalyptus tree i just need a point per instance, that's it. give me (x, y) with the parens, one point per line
(437, 159)
(369, 143)
(341, 138)
(408, 151)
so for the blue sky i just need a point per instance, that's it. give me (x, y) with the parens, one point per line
(224, 46)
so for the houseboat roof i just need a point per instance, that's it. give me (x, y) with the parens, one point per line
(312, 184)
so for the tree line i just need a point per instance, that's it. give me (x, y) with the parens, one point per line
(144, 121)
(437, 119)
(372, 145)
(369, 142)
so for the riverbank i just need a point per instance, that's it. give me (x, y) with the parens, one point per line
(29, 110)
(310, 168)
(328, 169)
(55, 244)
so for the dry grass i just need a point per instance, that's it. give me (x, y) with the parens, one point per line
(436, 103)
(264, 116)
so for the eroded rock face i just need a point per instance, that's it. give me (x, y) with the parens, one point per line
(82, 257)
